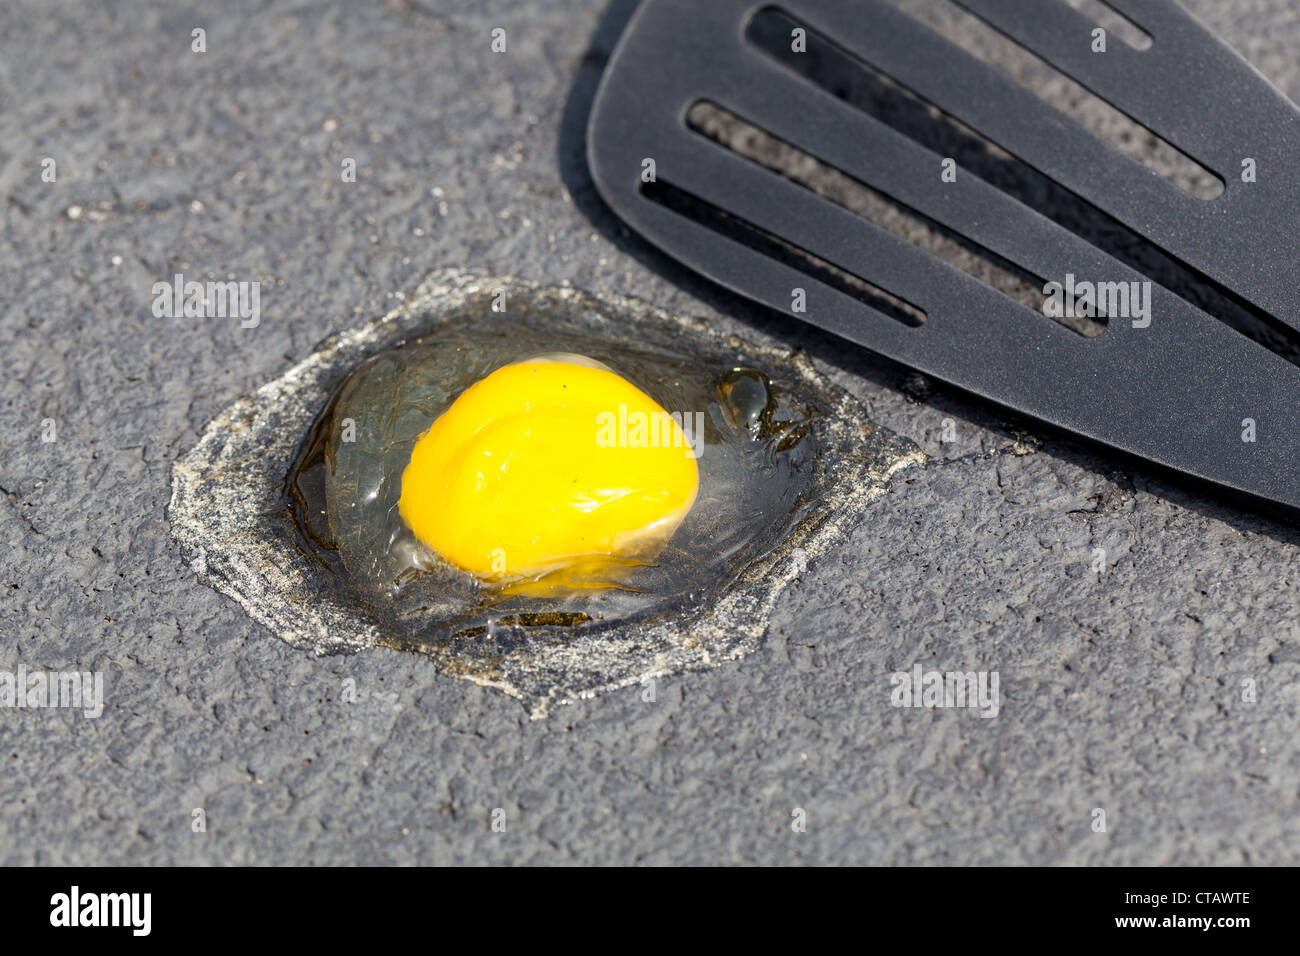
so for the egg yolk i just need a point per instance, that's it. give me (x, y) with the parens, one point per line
(547, 464)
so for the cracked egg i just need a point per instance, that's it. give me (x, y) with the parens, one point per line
(562, 496)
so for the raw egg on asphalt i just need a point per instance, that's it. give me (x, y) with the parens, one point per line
(546, 469)
(545, 491)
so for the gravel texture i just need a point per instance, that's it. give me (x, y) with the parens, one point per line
(1120, 690)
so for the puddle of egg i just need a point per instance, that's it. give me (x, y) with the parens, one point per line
(756, 461)
(276, 509)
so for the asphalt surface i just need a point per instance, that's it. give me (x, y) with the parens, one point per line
(1120, 691)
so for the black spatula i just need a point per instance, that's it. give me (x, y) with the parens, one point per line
(1171, 384)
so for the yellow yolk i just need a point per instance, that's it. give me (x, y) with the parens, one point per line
(544, 465)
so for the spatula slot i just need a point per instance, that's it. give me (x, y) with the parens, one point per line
(774, 247)
(734, 133)
(833, 67)
(1114, 22)
(1066, 94)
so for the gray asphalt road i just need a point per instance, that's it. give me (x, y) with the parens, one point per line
(1121, 691)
